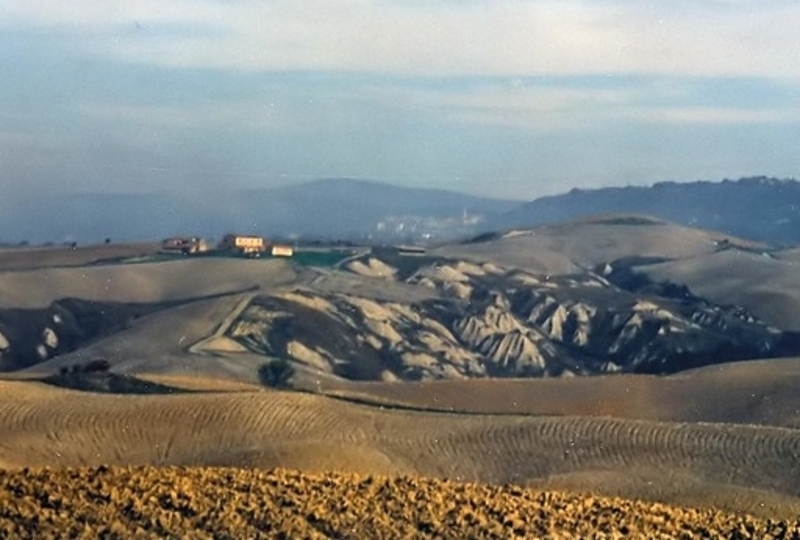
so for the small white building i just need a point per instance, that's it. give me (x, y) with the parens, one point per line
(282, 250)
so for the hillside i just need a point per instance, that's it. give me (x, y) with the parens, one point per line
(550, 358)
(555, 301)
(745, 468)
(499, 322)
(762, 209)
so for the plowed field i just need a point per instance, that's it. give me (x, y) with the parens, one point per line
(150, 502)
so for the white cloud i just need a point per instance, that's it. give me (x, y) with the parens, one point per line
(509, 103)
(717, 115)
(557, 108)
(98, 14)
(493, 37)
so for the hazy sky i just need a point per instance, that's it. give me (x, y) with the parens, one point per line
(510, 98)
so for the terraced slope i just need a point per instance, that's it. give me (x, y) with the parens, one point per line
(731, 466)
(198, 503)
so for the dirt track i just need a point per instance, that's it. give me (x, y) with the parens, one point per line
(236, 503)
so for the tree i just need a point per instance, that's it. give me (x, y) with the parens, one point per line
(276, 373)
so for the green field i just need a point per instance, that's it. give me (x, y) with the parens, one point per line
(321, 258)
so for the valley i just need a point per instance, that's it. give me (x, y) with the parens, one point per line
(570, 358)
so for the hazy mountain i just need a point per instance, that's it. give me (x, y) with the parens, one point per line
(332, 208)
(759, 208)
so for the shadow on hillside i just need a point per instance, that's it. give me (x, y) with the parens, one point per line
(95, 376)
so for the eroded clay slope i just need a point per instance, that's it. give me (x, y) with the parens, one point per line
(488, 321)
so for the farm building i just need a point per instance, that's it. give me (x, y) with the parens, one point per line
(410, 250)
(405, 251)
(185, 245)
(246, 245)
(282, 250)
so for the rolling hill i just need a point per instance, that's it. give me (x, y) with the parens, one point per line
(555, 357)
(555, 301)
(758, 208)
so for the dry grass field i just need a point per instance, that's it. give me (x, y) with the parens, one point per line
(62, 256)
(734, 467)
(762, 392)
(141, 283)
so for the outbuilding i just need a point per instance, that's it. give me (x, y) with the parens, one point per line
(282, 250)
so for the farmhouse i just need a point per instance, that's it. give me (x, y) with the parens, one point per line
(245, 245)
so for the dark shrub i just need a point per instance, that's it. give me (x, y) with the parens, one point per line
(96, 366)
(276, 373)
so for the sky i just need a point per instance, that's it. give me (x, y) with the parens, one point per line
(503, 98)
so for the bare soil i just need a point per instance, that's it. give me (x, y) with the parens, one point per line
(147, 502)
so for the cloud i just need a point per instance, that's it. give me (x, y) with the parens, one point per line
(718, 115)
(571, 104)
(128, 95)
(503, 37)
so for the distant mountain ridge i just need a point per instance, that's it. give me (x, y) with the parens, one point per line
(338, 208)
(759, 208)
